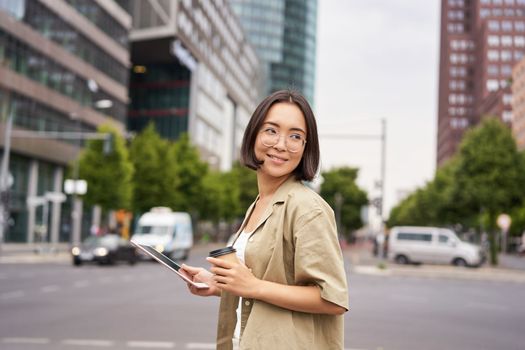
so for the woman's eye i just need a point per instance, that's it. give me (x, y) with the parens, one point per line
(296, 137)
(270, 131)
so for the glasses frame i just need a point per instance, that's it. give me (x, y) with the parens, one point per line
(279, 135)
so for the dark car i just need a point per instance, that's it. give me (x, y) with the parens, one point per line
(107, 249)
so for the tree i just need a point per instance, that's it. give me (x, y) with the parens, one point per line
(155, 178)
(342, 181)
(109, 175)
(246, 179)
(489, 175)
(190, 172)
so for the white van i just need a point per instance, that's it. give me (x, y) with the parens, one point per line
(168, 232)
(411, 244)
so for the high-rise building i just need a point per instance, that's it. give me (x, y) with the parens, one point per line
(480, 43)
(193, 72)
(518, 104)
(57, 59)
(284, 35)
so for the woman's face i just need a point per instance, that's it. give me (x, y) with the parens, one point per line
(286, 122)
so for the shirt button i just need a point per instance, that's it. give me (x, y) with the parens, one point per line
(247, 303)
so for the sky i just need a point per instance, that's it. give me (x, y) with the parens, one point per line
(379, 59)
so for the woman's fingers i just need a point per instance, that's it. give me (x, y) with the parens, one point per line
(219, 262)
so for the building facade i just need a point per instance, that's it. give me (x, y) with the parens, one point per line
(283, 33)
(57, 59)
(480, 43)
(518, 104)
(193, 72)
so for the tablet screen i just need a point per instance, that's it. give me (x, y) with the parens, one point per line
(161, 256)
(164, 260)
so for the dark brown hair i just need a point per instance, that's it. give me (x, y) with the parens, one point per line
(309, 164)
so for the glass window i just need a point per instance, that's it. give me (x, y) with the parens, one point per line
(493, 40)
(492, 85)
(506, 26)
(493, 25)
(443, 239)
(493, 55)
(492, 70)
(506, 40)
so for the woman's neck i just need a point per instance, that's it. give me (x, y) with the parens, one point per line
(267, 185)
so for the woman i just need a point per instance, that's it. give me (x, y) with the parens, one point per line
(289, 290)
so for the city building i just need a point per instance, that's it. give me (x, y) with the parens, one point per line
(193, 72)
(283, 33)
(518, 104)
(58, 59)
(480, 43)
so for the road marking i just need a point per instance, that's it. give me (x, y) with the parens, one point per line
(81, 284)
(150, 344)
(25, 340)
(49, 289)
(88, 342)
(200, 346)
(11, 295)
(485, 306)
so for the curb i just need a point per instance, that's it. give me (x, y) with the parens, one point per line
(445, 272)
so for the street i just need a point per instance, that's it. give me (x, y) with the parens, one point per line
(58, 306)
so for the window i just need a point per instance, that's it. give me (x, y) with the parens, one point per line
(422, 237)
(492, 70)
(506, 26)
(506, 70)
(507, 99)
(443, 239)
(493, 55)
(506, 55)
(493, 40)
(518, 55)
(493, 26)
(506, 40)
(492, 85)
(507, 116)
(519, 26)
(519, 41)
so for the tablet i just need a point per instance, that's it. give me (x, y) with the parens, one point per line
(170, 264)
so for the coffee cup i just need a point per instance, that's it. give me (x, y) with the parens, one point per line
(227, 254)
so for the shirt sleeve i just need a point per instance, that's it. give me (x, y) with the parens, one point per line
(318, 259)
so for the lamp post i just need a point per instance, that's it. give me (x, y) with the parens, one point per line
(4, 170)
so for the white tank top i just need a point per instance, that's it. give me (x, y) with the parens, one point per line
(240, 247)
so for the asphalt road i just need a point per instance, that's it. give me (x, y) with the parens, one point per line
(57, 306)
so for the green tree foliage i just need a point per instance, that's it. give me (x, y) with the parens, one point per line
(109, 176)
(485, 178)
(246, 179)
(190, 170)
(490, 173)
(155, 178)
(343, 181)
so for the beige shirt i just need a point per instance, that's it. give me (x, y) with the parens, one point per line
(295, 243)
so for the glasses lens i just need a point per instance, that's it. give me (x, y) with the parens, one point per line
(294, 142)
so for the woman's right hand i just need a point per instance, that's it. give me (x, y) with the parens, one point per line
(199, 274)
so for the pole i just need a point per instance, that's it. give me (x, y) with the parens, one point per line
(383, 167)
(76, 211)
(4, 170)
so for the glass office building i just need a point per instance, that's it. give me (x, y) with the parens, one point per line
(49, 51)
(283, 33)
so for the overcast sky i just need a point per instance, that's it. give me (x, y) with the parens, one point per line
(379, 59)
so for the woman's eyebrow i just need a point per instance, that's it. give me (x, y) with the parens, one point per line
(293, 129)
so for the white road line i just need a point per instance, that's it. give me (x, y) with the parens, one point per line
(25, 340)
(150, 344)
(485, 306)
(200, 346)
(81, 284)
(11, 295)
(88, 342)
(49, 289)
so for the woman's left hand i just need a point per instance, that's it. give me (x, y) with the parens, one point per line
(234, 278)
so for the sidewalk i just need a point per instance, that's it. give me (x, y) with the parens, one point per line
(511, 268)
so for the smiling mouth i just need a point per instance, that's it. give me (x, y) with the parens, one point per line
(275, 158)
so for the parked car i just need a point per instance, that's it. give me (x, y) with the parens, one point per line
(107, 249)
(411, 244)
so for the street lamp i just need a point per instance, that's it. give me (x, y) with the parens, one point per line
(78, 186)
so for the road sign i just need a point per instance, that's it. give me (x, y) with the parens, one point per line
(58, 197)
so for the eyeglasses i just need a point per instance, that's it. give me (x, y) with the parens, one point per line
(294, 142)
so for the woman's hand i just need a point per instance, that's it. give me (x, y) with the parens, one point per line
(199, 274)
(235, 278)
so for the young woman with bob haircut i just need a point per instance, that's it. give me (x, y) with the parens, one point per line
(288, 290)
